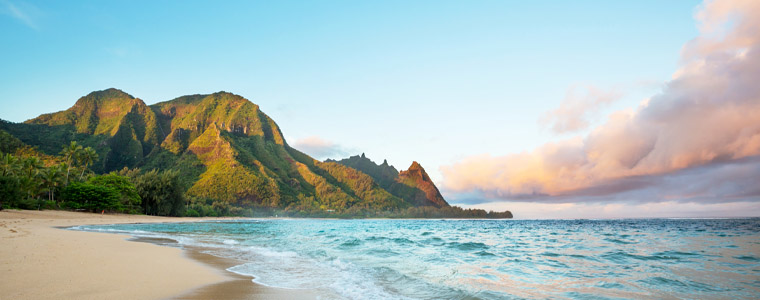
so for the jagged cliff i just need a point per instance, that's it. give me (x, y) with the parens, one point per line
(416, 177)
(413, 185)
(226, 149)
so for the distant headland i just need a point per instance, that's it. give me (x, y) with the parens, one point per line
(224, 155)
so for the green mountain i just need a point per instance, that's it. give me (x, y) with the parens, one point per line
(227, 151)
(123, 127)
(413, 185)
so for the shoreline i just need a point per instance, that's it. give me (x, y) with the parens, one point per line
(42, 260)
(237, 286)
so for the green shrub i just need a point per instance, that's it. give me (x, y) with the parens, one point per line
(129, 200)
(71, 205)
(26, 203)
(161, 193)
(208, 211)
(192, 213)
(47, 204)
(91, 197)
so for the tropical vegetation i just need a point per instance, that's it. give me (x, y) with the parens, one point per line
(197, 155)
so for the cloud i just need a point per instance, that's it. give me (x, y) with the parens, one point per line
(663, 209)
(24, 12)
(319, 148)
(712, 183)
(725, 26)
(706, 119)
(577, 108)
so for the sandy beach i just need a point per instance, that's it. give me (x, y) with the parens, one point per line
(40, 261)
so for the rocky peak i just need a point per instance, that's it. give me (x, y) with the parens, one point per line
(417, 171)
(417, 177)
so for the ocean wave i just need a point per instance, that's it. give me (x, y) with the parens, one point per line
(431, 259)
(468, 246)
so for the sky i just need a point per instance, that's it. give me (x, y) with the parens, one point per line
(551, 109)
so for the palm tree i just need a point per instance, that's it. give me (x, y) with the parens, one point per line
(71, 153)
(29, 186)
(52, 178)
(9, 165)
(31, 166)
(30, 176)
(87, 157)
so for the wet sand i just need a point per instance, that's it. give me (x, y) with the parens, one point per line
(39, 260)
(239, 287)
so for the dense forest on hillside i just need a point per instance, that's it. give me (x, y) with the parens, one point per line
(197, 155)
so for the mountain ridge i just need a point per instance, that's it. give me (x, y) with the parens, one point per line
(412, 184)
(227, 150)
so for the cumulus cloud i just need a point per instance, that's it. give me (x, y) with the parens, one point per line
(662, 209)
(705, 118)
(711, 183)
(320, 148)
(576, 109)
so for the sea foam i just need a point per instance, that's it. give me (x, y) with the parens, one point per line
(434, 259)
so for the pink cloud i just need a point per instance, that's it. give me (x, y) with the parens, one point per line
(576, 109)
(709, 113)
(664, 209)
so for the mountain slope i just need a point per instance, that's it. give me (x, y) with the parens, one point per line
(413, 185)
(416, 177)
(125, 129)
(227, 151)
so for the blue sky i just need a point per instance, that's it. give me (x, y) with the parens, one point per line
(432, 81)
(439, 79)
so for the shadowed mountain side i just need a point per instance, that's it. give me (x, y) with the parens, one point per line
(227, 150)
(8, 142)
(413, 185)
(122, 127)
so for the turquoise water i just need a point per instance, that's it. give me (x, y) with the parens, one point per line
(484, 259)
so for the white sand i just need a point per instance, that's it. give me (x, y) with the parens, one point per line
(38, 261)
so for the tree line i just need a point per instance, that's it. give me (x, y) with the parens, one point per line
(30, 180)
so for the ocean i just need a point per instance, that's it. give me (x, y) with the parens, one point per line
(483, 259)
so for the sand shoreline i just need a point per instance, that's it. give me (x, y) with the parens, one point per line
(39, 260)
